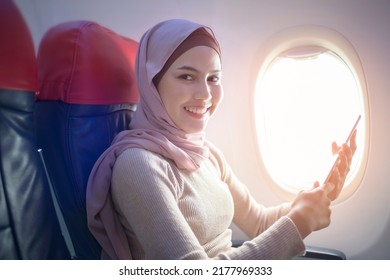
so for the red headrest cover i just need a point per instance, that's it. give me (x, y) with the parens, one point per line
(85, 63)
(18, 64)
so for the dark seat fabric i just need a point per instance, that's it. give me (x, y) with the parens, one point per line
(87, 96)
(28, 226)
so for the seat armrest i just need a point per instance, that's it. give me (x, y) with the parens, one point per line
(320, 253)
(312, 252)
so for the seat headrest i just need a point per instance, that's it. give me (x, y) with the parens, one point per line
(83, 62)
(18, 64)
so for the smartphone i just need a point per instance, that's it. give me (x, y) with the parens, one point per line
(346, 141)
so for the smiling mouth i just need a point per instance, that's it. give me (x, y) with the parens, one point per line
(198, 112)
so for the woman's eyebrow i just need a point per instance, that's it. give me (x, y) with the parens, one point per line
(189, 68)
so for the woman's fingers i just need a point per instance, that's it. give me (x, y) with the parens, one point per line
(335, 148)
(328, 188)
(340, 173)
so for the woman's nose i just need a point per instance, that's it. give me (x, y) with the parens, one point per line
(203, 92)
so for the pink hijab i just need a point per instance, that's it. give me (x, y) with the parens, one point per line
(151, 129)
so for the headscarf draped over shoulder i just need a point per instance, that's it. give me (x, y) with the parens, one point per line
(151, 129)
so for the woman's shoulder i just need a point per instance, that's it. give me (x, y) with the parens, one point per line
(145, 170)
(135, 152)
(140, 159)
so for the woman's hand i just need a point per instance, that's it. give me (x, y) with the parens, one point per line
(310, 211)
(340, 172)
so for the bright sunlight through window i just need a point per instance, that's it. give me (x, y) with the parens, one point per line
(303, 103)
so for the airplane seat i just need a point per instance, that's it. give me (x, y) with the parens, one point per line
(87, 95)
(28, 227)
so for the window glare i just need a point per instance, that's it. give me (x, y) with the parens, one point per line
(302, 106)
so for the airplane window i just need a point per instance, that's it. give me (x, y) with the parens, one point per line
(306, 98)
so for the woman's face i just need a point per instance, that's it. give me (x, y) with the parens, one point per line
(191, 88)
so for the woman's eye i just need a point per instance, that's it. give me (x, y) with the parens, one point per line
(186, 77)
(214, 79)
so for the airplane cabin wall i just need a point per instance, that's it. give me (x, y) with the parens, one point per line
(361, 224)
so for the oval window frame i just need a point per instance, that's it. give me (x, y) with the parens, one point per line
(313, 36)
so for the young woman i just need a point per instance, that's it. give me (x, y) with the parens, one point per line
(162, 191)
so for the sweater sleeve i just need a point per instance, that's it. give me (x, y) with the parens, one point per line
(145, 192)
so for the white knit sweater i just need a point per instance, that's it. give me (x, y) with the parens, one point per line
(169, 213)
